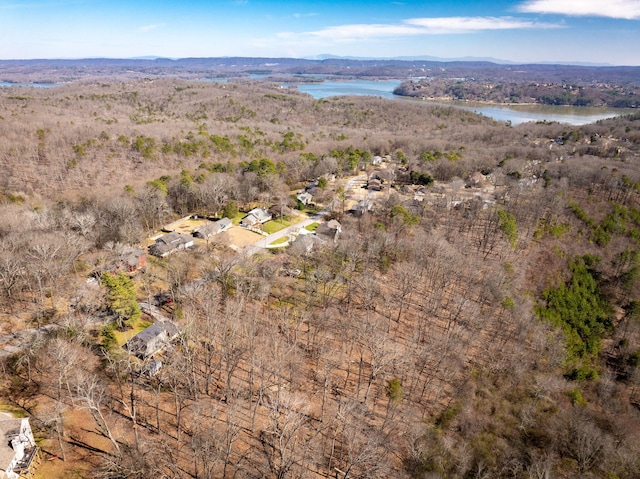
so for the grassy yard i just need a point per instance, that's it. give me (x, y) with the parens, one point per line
(278, 224)
(237, 218)
(123, 336)
(282, 240)
(312, 227)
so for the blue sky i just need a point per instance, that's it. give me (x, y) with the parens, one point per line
(526, 31)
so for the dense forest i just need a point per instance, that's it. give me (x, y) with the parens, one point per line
(623, 95)
(61, 71)
(479, 319)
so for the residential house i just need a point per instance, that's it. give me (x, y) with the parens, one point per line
(255, 217)
(363, 206)
(280, 210)
(305, 198)
(130, 260)
(305, 244)
(170, 243)
(211, 229)
(17, 447)
(153, 339)
(374, 184)
(331, 229)
(376, 160)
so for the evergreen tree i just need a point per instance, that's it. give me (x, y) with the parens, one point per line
(121, 297)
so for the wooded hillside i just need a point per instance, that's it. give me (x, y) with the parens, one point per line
(482, 319)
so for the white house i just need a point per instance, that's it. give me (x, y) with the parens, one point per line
(17, 447)
(305, 198)
(256, 216)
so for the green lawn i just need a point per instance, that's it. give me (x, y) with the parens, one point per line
(282, 240)
(123, 336)
(312, 227)
(237, 218)
(276, 225)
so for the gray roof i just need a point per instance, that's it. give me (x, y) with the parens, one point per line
(224, 223)
(170, 242)
(306, 243)
(256, 215)
(330, 228)
(210, 229)
(305, 197)
(156, 329)
(150, 340)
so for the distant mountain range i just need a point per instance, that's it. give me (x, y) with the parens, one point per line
(460, 59)
(489, 69)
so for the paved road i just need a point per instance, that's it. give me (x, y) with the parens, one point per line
(351, 185)
(268, 239)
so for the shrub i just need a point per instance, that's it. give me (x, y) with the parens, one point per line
(576, 397)
(509, 227)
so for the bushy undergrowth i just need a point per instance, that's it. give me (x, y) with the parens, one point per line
(579, 308)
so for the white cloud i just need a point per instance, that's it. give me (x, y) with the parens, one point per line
(426, 26)
(473, 24)
(624, 9)
(148, 28)
(304, 15)
(359, 31)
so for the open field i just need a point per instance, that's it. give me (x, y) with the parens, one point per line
(242, 238)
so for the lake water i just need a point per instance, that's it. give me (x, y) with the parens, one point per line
(382, 89)
(515, 114)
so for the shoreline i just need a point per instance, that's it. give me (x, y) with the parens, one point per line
(508, 104)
